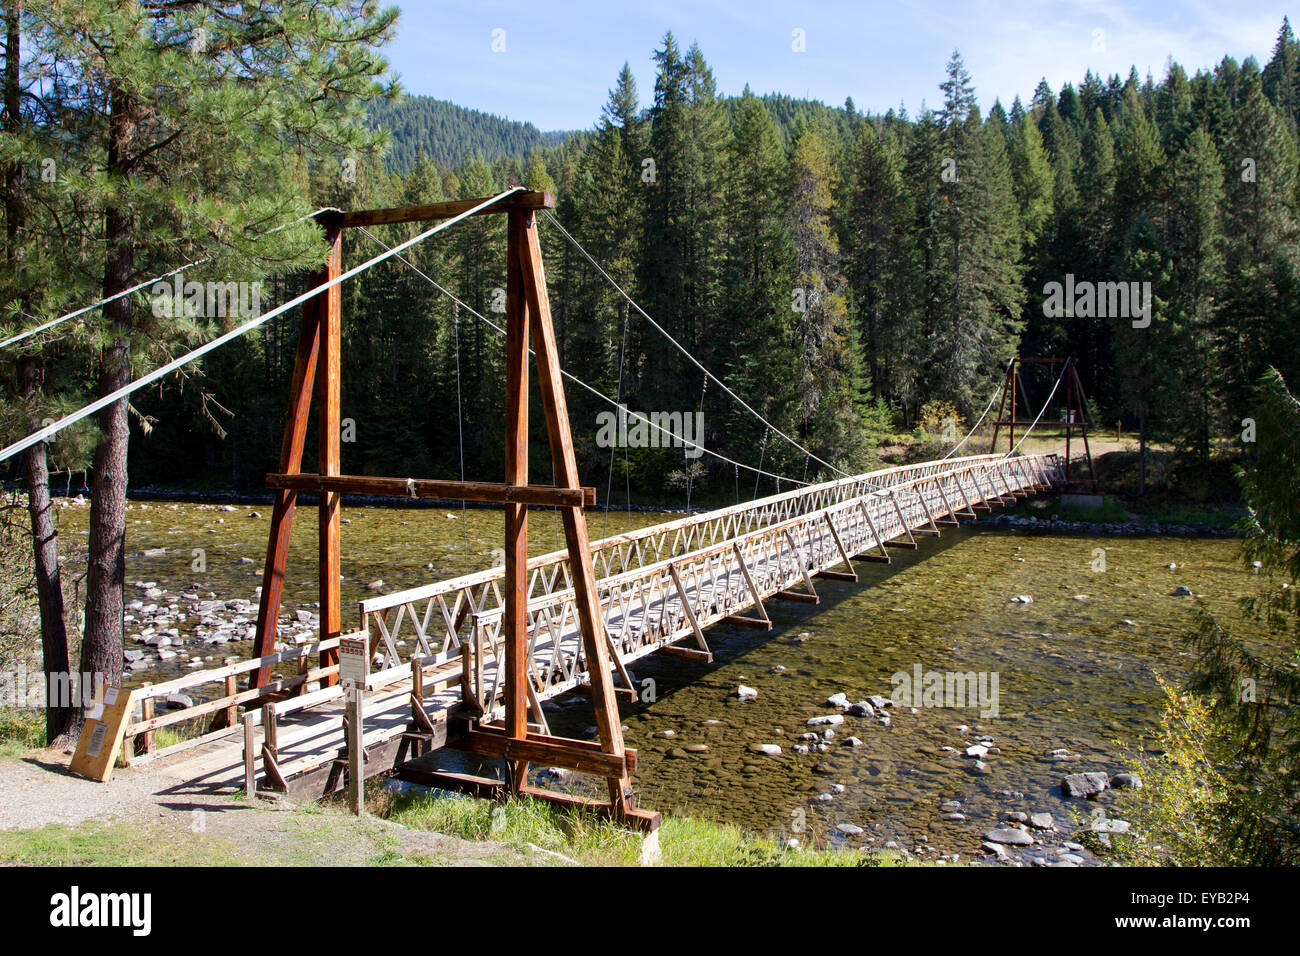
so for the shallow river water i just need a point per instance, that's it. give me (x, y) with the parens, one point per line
(1076, 668)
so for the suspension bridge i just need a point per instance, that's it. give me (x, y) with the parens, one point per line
(493, 645)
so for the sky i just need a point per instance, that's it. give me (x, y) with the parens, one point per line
(557, 59)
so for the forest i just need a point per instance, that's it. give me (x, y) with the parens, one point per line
(853, 277)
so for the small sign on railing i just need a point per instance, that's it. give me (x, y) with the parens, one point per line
(354, 660)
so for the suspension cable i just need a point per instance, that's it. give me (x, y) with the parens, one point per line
(49, 431)
(138, 286)
(573, 378)
(681, 348)
(997, 391)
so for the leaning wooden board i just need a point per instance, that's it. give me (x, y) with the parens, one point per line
(101, 735)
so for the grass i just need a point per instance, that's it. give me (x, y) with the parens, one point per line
(525, 824)
(20, 731)
(96, 843)
(1111, 511)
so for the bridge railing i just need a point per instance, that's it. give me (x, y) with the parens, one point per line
(658, 604)
(437, 615)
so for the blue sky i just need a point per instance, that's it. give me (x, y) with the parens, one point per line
(562, 56)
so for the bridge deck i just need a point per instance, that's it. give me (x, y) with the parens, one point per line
(659, 586)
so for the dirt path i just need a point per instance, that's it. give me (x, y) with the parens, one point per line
(134, 820)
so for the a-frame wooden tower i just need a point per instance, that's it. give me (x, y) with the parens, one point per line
(528, 320)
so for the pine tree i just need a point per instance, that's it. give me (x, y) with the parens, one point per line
(1193, 238)
(879, 255)
(192, 133)
(757, 313)
(828, 357)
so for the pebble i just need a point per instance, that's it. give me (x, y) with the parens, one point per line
(771, 750)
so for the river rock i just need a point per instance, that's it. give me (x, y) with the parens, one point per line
(1022, 599)
(1084, 784)
(849, 829)
(1009, 836)
(995, 849)
(838, 701)
(1126, 781)
(977, 751)
(862, 708)
(1110, 826)
(746, 693)
(1181, 591)
(375, 585)
(880, 703)
(827, 720)
(1017, 816)
(1041, 821)
(771, 750)
(853, 742)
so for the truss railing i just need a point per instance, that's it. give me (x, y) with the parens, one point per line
(647, 577)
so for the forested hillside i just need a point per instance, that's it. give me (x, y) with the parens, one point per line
(451, 134)
(847, 274)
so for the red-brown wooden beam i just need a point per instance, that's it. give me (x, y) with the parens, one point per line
(291, 447)
(489, 491)
(445, 210)
(328, 401)
(515, 622)
(525, 245)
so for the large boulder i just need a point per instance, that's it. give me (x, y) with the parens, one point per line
(1084, 784)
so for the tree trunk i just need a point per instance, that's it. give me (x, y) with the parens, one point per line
(101, 645)
(49, 586)
(45, 548)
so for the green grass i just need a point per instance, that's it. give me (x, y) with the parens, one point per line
(95, 843)
(1220, 518)
(1111, 510)
(20, 731)
(582, 838)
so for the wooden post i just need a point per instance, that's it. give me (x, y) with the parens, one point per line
(232, 712)
(1011, 434)
(295, 434)
(526, 250)
(146, 713)
(356, 753)
(328, 388)
(250, 756)
(516, 472)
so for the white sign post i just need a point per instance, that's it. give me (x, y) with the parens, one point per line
(354, 667)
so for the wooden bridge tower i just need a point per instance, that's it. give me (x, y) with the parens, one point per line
(1075, 420)
(528, 320)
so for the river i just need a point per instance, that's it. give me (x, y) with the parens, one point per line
(1076, 668)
